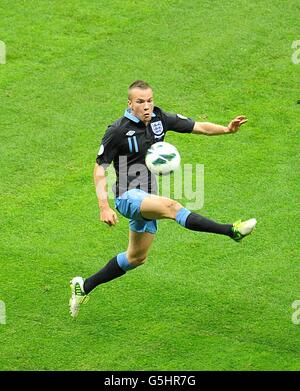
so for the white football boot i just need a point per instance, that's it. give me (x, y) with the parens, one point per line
(241, 229)
(78, 295)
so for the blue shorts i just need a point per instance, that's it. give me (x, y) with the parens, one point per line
(129, 205)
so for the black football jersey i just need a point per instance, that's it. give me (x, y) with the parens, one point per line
(126, 141)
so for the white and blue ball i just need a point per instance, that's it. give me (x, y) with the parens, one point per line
(162, 158)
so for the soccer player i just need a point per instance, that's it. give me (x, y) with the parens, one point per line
(125, 143)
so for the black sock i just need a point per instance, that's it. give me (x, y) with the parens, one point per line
(110, 271)
(197, 222)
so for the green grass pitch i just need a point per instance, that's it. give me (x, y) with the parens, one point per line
(201, 302)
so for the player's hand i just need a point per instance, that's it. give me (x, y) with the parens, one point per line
(235, 124)
(109, 216)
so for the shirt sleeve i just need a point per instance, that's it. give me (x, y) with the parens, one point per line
(178, 123)
(108, 148)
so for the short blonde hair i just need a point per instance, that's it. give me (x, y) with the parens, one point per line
(143, 85)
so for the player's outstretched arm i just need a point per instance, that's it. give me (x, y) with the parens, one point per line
(107, 215)
(210, 129)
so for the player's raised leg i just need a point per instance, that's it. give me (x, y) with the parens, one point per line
(156, 207)
(136, 254)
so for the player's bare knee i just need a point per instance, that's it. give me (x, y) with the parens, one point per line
(137, 260)
(172, 207)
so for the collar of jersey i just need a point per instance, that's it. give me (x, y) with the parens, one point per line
(132, 117)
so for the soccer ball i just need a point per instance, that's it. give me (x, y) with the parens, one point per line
(162, 158)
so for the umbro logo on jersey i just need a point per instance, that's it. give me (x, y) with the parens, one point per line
(157, 127)
(130, 133)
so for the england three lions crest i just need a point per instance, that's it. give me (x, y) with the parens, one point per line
(157, 127)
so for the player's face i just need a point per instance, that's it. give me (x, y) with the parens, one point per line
(141, 103)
